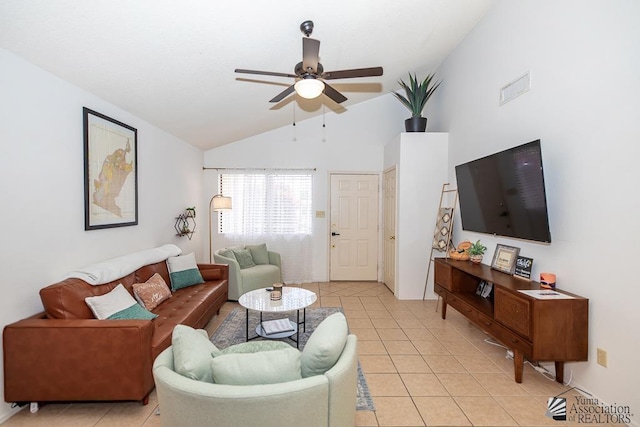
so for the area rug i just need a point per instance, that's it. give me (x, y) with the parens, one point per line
(232, 331)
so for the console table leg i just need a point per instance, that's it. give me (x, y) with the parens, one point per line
(444, 309)
(518, 364)
(560, 372)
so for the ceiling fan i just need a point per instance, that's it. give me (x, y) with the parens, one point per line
(310, 75)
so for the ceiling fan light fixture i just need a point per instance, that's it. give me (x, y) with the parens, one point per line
(309, 88)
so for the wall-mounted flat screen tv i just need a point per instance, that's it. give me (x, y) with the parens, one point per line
(504, 194)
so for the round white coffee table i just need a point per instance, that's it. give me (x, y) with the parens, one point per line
(293, 299)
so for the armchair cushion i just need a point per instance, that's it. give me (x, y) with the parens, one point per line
(259, 253)
(262, 367)
(254, 347)
(183, 271)
(228, 253)
(244, 258)
(192, 353)
(324, 346)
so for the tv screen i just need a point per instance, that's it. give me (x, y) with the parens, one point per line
(504, 194)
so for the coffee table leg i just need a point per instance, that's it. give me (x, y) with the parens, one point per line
(247, 324)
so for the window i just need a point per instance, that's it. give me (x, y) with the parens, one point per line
(273, 208)
(267, 204)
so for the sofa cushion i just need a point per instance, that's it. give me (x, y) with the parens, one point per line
(192, 353)
(135, 312)
(183, 271)
(325, 345)
(244, 258)
(152, 292)
(259, 253)
(114, 302)
(264, 367)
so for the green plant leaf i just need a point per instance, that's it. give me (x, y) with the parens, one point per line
(417, 93)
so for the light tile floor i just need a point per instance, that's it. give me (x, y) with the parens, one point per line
(421, 370)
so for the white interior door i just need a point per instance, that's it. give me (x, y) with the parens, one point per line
(389, 234)
(354, 227)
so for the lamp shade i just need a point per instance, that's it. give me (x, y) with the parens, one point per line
(220, 203)
(309, 88)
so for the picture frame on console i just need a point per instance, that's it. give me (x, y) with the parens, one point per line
(504, 258)
(110, 172)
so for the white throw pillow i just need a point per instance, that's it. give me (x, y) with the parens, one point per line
(183, 271)
(110, 303)
(325, 345)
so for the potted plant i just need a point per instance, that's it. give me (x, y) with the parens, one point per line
(476, 251)
(417, 95)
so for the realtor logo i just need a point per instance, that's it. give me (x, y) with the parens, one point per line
(557, 408)
(587, 410)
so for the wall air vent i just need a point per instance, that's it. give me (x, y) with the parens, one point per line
(515, 88)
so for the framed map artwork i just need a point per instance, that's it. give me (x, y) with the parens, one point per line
(110, 172)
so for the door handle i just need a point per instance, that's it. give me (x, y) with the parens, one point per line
(333, 233)
(392, 238)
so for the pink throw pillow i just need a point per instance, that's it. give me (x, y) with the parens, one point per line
(152, 292)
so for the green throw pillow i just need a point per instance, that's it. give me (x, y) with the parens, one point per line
(136, 311)
(192, 353)
(245, 260)
(117, 304)
(325, 345)
(265, 367)
(183, 271)
(259, 253)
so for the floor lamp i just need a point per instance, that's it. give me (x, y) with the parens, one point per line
(217, 203)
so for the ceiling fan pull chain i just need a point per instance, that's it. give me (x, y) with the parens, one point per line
(324, 113)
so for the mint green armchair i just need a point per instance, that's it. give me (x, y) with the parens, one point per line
(265, 273)
(322, 400)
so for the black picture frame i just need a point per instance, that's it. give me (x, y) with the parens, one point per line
(504, 258)
(110, 172)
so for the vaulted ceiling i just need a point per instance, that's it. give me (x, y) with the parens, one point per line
(172, 63)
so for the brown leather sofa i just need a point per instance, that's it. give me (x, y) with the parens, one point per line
(65, 354)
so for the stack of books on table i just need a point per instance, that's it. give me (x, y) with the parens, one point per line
(277, 326)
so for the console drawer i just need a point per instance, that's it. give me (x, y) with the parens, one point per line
(504, 335)
(512, 311)
(465, 309)
(442, 275)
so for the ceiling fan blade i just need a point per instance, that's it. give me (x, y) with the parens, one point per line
(310, 52)
(334, 94)
(265, 73)
(356, 72)
(282, 95)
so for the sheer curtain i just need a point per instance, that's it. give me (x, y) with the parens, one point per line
(272, 207)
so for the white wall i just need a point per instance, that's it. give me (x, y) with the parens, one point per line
(421, 170)
(584, 105)
(41, 162)
(351, 142)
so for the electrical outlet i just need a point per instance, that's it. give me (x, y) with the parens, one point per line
(602, 357)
